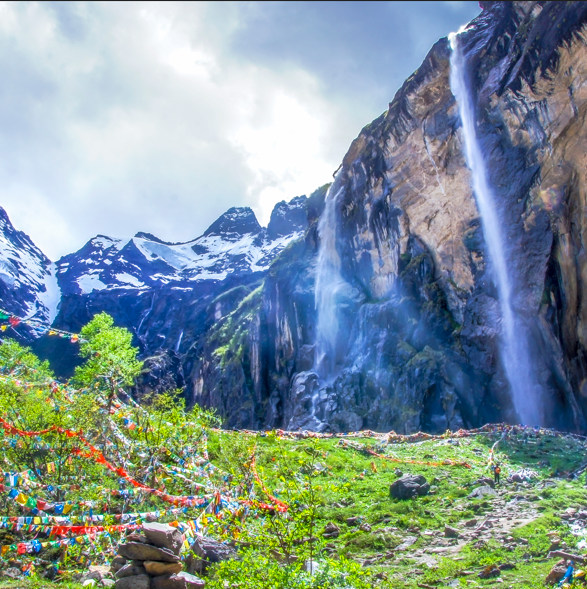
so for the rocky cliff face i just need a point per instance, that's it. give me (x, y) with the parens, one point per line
(419, 317)
(414, 314)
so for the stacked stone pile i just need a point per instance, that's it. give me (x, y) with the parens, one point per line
(150, 560)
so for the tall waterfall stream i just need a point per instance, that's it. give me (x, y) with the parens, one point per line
(514, 350)
(329, 281)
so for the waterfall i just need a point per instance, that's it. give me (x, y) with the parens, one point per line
(514, 350)
(329, 282)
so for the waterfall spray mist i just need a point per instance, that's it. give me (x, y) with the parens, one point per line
(514, 346)
(329, 281)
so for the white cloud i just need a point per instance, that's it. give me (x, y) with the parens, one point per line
(125, 117)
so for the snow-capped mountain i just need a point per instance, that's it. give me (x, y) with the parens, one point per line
(234, 244)
(160, 291)
(28, 282)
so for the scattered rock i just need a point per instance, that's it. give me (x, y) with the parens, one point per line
(136, 582)
(179, 581)
(451, 532)
(93, 575)
(107, 582)
(212, 550)
(331, 531)
(398, 473)
(281, 558)
(489, 572)
(207, 550)
(156, 568)
(485, 482)
(138, 551)
(353, 521)
(471, 523)
(409, 486)
(408, 541)
(365, 527)
(556, 572)
(12, 573)
(89, 583)
(163, 536)
(507, 566)
(555, 543)
(100, 569)
(480, 492)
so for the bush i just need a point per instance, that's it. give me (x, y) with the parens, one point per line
(256, 571)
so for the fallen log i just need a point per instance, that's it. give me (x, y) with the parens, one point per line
(567, 555)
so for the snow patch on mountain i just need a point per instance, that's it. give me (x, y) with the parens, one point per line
(51, 298)
(89, 282)
(28, 284)
(234, 243)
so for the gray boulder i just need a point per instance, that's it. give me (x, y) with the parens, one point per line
(138, 551)
(12, 573)
(208, 550)
(163, 536)
(212, 550)
(480, 492)
(409, 486)
(136, 582)
(179, 581)
(485, 481)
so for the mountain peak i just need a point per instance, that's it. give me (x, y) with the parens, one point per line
(239, 220)
(288, 217)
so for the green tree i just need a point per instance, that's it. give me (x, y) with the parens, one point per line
(112, 359)
(31, 400)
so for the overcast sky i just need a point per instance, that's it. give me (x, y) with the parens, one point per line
(117, 118)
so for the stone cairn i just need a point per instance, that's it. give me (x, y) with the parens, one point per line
(150, 560)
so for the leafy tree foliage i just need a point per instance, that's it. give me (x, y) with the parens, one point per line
(111, 357)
